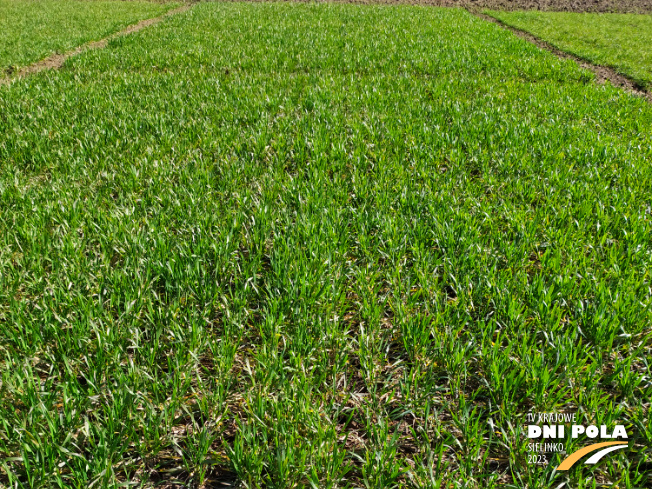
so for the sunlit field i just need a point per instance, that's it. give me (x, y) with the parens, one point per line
(318, 245)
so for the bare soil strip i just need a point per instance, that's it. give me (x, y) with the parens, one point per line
(603, 6)
(613, 6)
(602, 73)
(57, 60)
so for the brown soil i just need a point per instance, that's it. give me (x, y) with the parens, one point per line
(622, 6)
(56, 60)
(631, 6)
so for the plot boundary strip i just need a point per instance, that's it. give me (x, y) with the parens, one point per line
(602, 73)
(56, 61)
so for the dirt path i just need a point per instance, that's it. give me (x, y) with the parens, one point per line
(631, 6)
(57, 60)
(602, 73)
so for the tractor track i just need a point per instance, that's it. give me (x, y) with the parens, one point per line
(56, 61)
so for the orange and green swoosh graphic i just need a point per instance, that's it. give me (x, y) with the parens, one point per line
(608, 446)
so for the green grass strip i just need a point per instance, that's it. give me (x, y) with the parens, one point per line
(620, 41)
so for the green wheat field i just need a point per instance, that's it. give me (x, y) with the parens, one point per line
(316, 245)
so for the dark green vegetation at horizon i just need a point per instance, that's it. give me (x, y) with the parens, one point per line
(31, 30)
(320, 245)
(621, 41)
